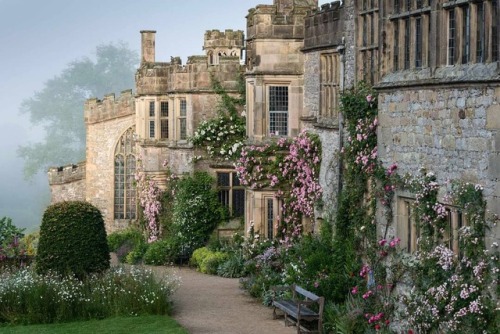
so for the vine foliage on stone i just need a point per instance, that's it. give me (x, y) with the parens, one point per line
(223, 137)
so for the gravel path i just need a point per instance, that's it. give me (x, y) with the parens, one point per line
(212, 304)
(205, 304)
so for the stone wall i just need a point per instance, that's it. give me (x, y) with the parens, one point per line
(453, 132)
(67, 183)
(102, 138)
(109, 107)
(324, 27)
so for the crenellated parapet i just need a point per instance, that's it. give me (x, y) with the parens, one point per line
(222, 60)
(228, 39)
(282, 20)
(109, 107)
(324, 26)
(66, 174)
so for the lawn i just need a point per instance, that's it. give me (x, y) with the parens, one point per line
(118, 325)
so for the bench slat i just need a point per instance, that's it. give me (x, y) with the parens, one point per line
(306, 293)
(290, 307)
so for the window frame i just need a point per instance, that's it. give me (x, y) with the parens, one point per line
(227, 193)
(270, 215)
(329, 84)
(125, 192)
(164, 120)
(278, 116)
(182, 120)
(152, 119)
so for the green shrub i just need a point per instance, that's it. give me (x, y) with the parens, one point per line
(233, 267)
(198, 256)
(128, 244)
(211, 262)
(117, 239)
(208, 261)
(136, 255)
(161, 252)
(196, 211)
(72, 240)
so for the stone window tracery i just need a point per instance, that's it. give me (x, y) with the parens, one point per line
(368, 39)
(125, 202)
(164, 111)
(411, 30)
(152, 117)
(182, 119)
(472, 31)
(330, 83)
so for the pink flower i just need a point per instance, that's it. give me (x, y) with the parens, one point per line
(382, 242)
(394, 242)
(354, 290)
(367, 294)
(316, 284)
(369, 98)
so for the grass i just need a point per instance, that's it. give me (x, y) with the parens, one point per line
(117, 325)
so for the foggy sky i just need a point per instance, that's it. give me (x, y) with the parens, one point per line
(39, 38)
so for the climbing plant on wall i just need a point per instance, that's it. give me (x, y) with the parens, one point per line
(222, 137)
(290, 166)
(450, 292)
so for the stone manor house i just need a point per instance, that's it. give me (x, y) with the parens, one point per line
(435, 64)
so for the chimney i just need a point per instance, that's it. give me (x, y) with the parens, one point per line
(148, 46)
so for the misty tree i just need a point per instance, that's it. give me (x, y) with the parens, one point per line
(58, 107)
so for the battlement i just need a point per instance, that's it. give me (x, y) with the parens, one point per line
(109, 107)
(283, 20)
(324, 26)
(228, 39)
(66, 174)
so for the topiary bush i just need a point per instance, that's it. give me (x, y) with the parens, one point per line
(72, 240)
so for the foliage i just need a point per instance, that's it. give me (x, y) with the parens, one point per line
(223, 136)
(30, 298)
(72, 240)
(9, 231)
(150, 199)
(116, 325)
(233, 266)
(161, 252)
(292, 168)
(30, 243)
(59, 105)
(452, 293)
(12, 250)
(117, 239)
(207, 261)
(196, 211)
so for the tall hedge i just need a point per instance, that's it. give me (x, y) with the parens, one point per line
(72, 240)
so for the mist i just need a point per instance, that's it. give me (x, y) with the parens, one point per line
(39, 39)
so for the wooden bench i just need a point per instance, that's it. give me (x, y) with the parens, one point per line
(298, 309)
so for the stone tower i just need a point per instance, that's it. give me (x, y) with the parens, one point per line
(219, 44)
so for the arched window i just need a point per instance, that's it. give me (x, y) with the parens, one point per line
(125, 163)
(211, 60)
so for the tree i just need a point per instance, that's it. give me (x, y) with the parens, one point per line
(58, 107)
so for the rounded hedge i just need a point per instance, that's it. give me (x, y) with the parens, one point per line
(72, 240)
